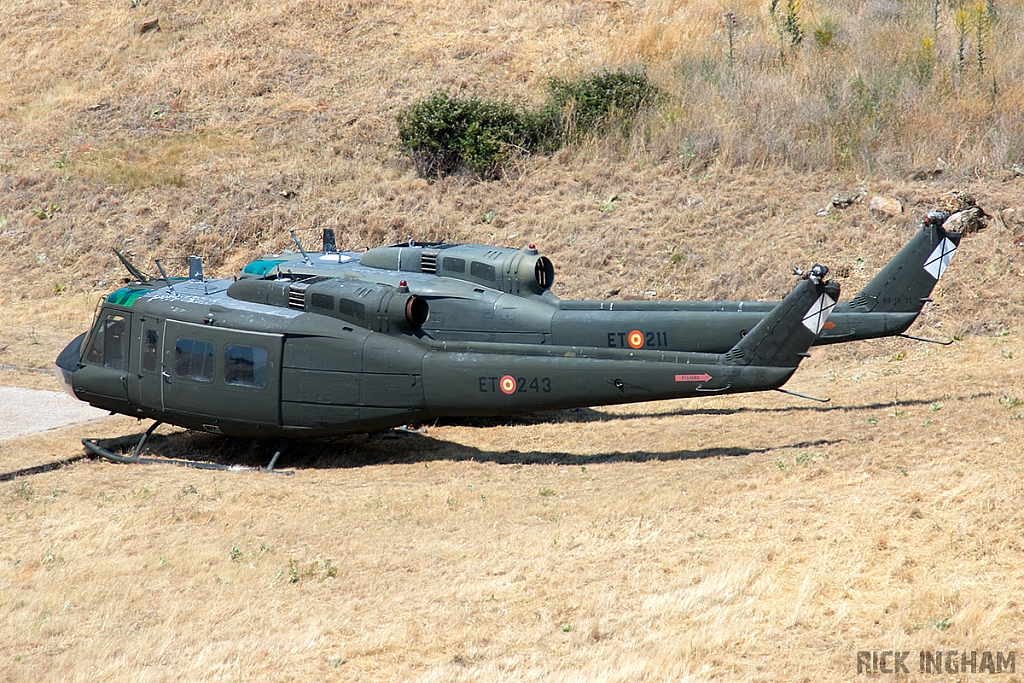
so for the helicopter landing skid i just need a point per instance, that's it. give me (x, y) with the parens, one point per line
(94, 449)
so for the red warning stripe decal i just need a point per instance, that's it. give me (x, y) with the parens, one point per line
(703, 377)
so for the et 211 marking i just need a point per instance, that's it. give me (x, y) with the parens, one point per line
(637, 340)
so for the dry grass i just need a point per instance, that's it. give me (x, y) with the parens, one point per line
(751, 538)
(744, 538)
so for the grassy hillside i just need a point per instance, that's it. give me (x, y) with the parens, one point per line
(749, 538)
(229, 125)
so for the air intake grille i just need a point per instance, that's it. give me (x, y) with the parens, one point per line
(297, 296)
(297, 292)
(428, 261)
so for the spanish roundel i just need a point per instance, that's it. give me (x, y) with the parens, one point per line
(507, 384)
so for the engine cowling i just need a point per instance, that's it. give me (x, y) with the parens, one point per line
(377, 307)
(514, 271)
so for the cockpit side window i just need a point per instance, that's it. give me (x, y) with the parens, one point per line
(108, 343)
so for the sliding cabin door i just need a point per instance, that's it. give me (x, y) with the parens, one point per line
(221, 374)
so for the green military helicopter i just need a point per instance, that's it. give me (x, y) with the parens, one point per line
(326, 356)
(485, 293)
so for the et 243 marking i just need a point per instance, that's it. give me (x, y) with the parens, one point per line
(507, 384)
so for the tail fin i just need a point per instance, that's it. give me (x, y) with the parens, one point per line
(906, 282)
(783, 337)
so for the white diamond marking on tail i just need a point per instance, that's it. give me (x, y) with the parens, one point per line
(938, 261)
(818, 313)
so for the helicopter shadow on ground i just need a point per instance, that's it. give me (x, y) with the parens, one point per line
(397, 447)
(584, 415)
(412, 446)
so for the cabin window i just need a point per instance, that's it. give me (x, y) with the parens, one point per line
(483, 271)
(324, 302)
(108, 343)
(150, 344)
(352, 309)
(193, 360)
(245, 366)
(454, 265)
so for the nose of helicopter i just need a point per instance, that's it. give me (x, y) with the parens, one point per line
(67, 363)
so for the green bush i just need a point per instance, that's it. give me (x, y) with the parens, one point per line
(578, 107)
(445, 133)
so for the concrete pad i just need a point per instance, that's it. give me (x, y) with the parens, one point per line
(30, 411)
